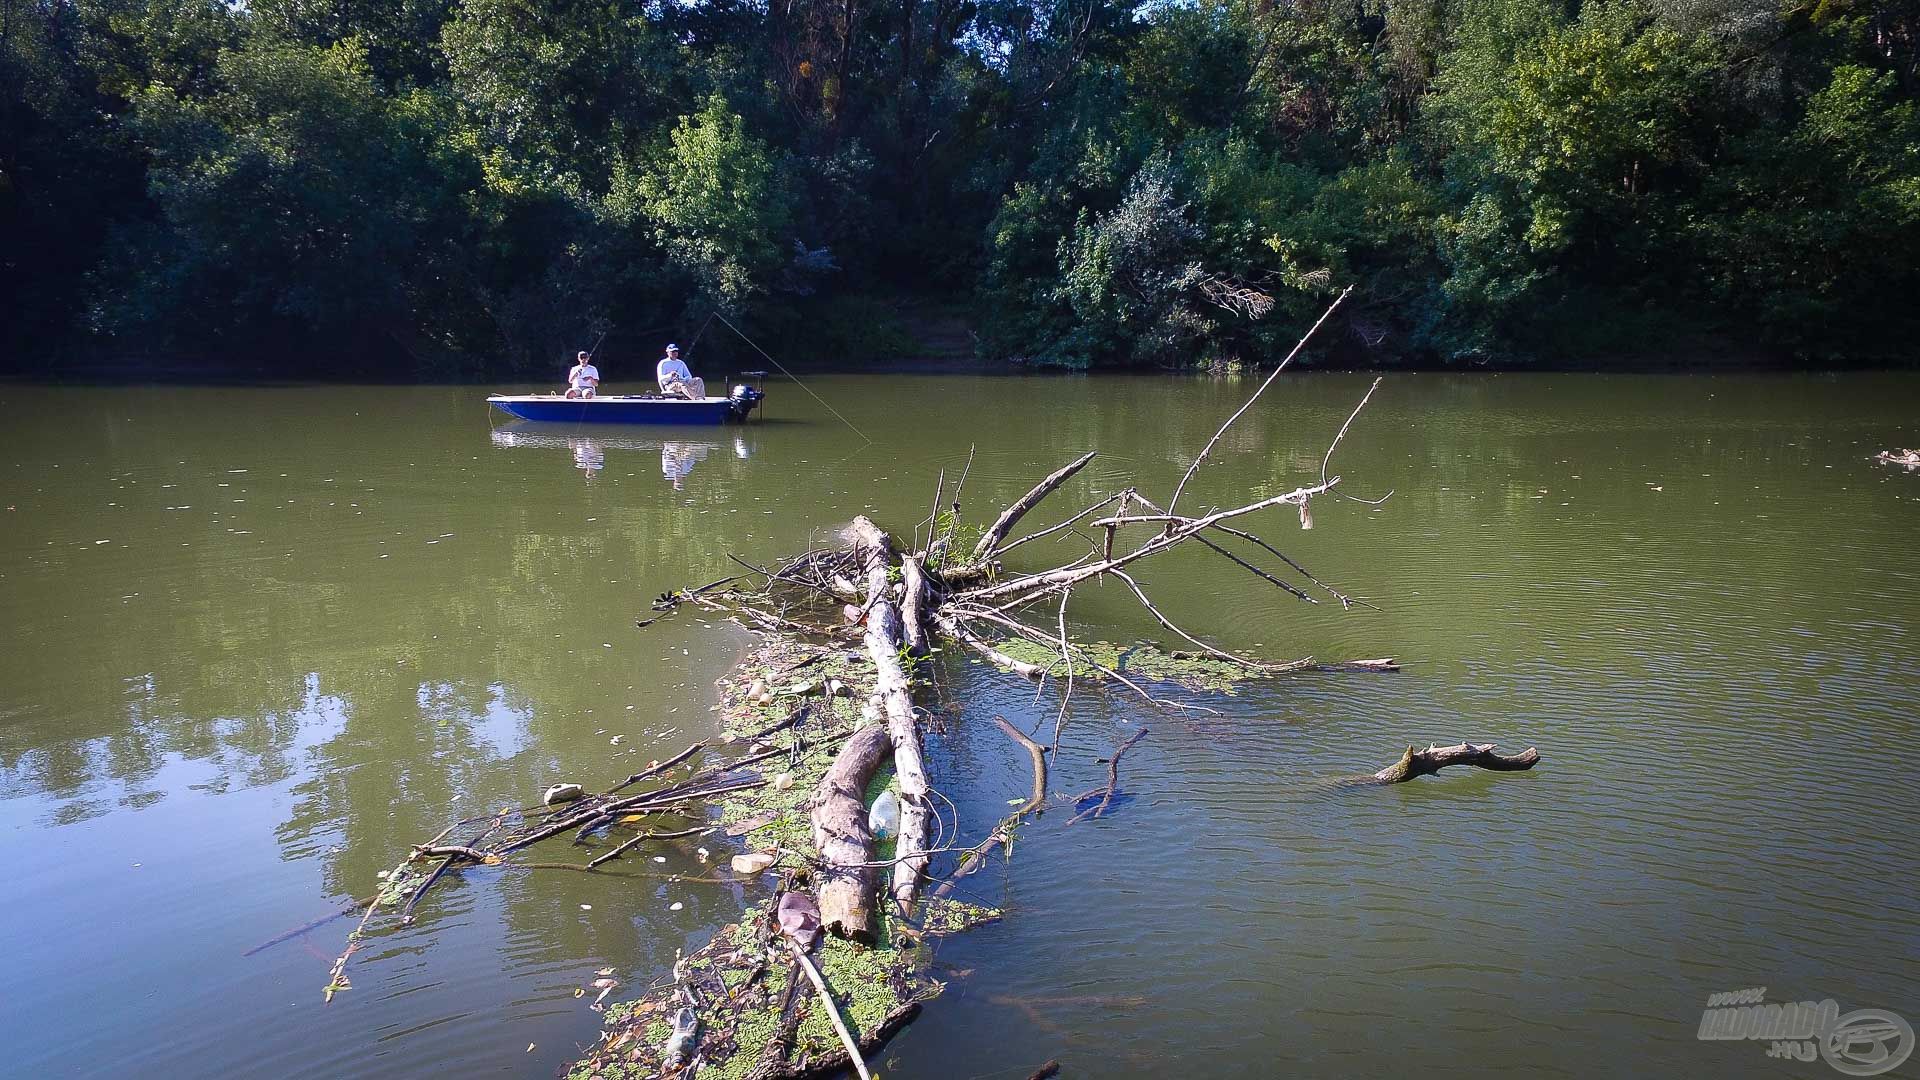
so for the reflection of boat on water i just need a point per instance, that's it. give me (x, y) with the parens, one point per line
(677, 456)
(629, 408)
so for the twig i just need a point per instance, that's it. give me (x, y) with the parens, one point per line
(306, 928)
(1345, 600)
(1344, 427)
(406, 913)
(1113, 780)
(1222, 654)
(1066, 656)
(1208, 449)
(1002, 833)
(622, 849)
(655, 770)
(833, 1011)
(336, 978)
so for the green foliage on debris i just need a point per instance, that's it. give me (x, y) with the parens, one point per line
(1138, 661)
(741, 977)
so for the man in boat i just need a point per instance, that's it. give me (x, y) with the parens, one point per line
(676, 380)
(584, 380)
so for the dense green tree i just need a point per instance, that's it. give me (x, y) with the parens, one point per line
(469, 185)
(296, 203)
(717, 203)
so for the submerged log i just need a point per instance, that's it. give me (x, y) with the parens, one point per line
(844, 885)
(1426, 762)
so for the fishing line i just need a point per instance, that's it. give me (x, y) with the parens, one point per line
(790, 375)
(699, 334)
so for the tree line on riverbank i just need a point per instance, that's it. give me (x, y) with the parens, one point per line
(481, 185)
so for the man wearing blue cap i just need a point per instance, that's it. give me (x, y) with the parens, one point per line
(676, 380)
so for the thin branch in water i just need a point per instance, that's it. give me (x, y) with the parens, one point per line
(1208, 449)
(1113, 781)
(1210, 650)
(1343, 429)
(1066, 655)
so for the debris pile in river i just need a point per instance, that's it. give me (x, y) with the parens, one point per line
(819, 720)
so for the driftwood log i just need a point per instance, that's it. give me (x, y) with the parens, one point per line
(1416, 762)
(892, 702)
(844, 881)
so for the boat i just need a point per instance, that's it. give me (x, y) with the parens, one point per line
(629, 408)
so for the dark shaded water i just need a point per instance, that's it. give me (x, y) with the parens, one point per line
(258, 641)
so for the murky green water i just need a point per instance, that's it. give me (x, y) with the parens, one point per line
(256, 641)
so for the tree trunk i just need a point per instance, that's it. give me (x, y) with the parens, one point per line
(893, 701)
(844, 885)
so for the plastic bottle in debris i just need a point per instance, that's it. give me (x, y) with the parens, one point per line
(686, 1025)
(883, 821)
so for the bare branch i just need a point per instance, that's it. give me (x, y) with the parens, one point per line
(1011, 515)
(1208, 449)
(1344, 427)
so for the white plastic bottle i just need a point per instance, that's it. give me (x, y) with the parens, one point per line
(883, 821)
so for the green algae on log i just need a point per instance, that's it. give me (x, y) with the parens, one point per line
(1141, 660)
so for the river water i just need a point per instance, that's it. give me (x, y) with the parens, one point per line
(258, 640)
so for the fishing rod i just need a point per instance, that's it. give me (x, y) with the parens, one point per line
(790, 375)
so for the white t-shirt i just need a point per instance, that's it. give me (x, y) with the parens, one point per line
(583, 376)
(671, 370)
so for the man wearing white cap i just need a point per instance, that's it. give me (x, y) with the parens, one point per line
(676, 380)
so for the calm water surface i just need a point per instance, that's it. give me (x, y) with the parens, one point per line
(257, 641)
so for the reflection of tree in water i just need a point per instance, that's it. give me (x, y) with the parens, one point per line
(406, 757)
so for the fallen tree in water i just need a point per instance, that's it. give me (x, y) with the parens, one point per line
(819, 729)
(1426, 762)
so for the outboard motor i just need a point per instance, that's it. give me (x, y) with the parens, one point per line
(743, 399)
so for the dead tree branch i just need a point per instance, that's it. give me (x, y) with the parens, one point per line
(1113, 782)
(1174, 502)
(1426, 762)
(1011, 515)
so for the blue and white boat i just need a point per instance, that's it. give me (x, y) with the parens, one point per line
(629, 408)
